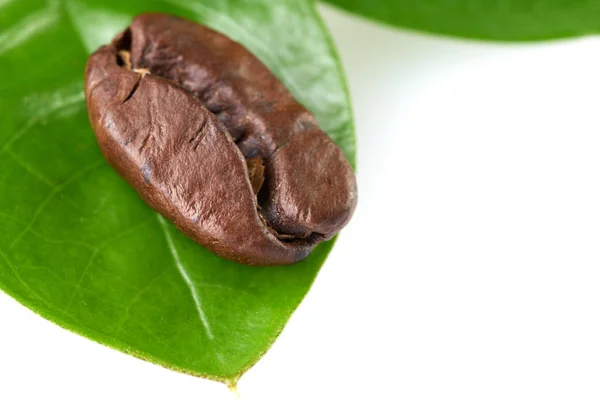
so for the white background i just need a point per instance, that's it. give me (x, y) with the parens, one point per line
(471, 269)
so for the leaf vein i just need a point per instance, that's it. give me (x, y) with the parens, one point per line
(186, 277)
(95, 253)
(53, 193)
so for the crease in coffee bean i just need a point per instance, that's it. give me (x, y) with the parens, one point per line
(145, 142)
(256, 170)
(218, 104)
(200, 134)
(124, 59)
(134, 89)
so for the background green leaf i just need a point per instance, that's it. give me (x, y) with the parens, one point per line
(485, 19)
(79, 247)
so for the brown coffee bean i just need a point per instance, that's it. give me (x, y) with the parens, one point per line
(212, 140)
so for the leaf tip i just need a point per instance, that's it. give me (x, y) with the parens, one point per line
(232, 386)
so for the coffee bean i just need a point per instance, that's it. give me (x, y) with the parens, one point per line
(212, 140)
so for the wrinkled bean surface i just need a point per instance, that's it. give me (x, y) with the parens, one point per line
(212, 140)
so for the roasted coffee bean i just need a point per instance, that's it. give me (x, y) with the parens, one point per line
(212, 140)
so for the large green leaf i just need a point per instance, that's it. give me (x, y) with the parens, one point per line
(485, 19)
(79, 247)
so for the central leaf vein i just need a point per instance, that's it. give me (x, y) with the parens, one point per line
(186, 277)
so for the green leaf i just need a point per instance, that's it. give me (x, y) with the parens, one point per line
(79, 247)
(510, 20)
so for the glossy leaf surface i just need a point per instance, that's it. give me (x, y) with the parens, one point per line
(77, 244)
(512, 20)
